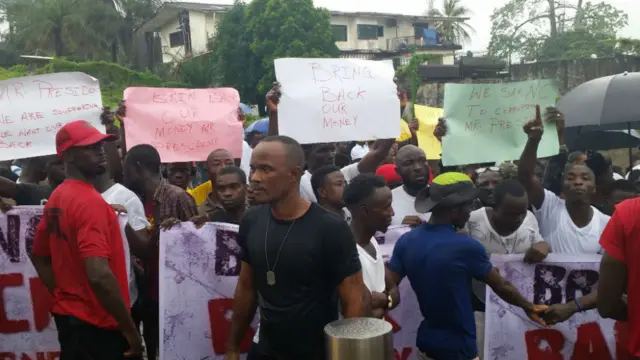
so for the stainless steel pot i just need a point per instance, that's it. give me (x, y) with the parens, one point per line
(359, 339)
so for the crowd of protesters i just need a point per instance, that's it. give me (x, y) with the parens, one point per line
(307, 217)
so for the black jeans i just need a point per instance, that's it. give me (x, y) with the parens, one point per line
(82, 341)
(255, 353)
(151, 327)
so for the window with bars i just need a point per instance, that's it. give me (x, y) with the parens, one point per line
(339, 32)
(367, 32)
(176, 39)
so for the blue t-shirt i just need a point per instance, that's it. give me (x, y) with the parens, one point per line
(440, 264)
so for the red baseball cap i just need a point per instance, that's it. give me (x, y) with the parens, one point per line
(388, 172)
(79, 133)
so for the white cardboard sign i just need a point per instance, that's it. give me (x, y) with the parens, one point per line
(34, 108)
(331, 100)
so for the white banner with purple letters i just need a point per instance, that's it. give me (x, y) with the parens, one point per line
(510, 335)
(199, 269)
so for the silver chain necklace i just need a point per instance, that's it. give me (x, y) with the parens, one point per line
(271, 275)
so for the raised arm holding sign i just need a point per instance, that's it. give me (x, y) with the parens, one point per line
(485, 120)
(184, 124)
(332, 100)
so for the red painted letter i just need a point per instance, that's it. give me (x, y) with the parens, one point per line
(590, 343)
(552, 338)
(10, 326)
(221, 325)
(394, 325)
(406, 352)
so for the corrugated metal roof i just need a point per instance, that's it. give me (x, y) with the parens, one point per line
(197, 6)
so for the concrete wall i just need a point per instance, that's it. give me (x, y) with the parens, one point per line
(568, 73)
(170, 53)
(404, 29)
(203, 26)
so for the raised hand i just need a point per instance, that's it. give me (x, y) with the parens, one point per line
(414, 125)
(121, 112)
(273, 97)
(441, 129)
(533, 128)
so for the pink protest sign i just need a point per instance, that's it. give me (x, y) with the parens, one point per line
(184, 124)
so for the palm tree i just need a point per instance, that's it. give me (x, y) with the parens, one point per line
(78, 28)
(458, 32)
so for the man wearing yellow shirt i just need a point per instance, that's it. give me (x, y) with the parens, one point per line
(215, 161)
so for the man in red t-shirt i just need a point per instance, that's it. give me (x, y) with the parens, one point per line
(79, 256)
(620, 270)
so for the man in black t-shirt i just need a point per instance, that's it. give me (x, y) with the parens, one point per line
(298, 260)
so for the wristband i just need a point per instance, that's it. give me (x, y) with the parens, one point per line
(578, 305)
(390, 304)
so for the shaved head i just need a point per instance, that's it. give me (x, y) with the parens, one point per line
(407, 151)
(293, 150)
(216, 160)
(218, 153)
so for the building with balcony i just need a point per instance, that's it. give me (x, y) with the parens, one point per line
(182, 30)
(390, 36)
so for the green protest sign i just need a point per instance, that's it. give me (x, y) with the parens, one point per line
(485, 120)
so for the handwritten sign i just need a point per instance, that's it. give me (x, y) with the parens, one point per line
(329, 100)
(485, 120)
(34, 108)
(509, 334)
(428, 119)
(184, 124)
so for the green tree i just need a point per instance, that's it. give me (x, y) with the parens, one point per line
(548, 29)
(287, 28)
(232, 61)
(77, 29)
(628, 46)
(62, 27)
(576, 44)
(457, 31)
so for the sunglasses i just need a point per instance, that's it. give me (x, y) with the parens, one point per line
(490, 168)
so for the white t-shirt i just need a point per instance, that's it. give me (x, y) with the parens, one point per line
(518, 242)
(403, 205)
(562, 234)
(120, 195)
(245, 160)
(306, 191)
(359, 151)
(372, 269)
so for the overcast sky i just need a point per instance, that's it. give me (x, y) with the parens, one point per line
(482, 10)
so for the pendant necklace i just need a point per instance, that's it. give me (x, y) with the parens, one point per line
(271, 275)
